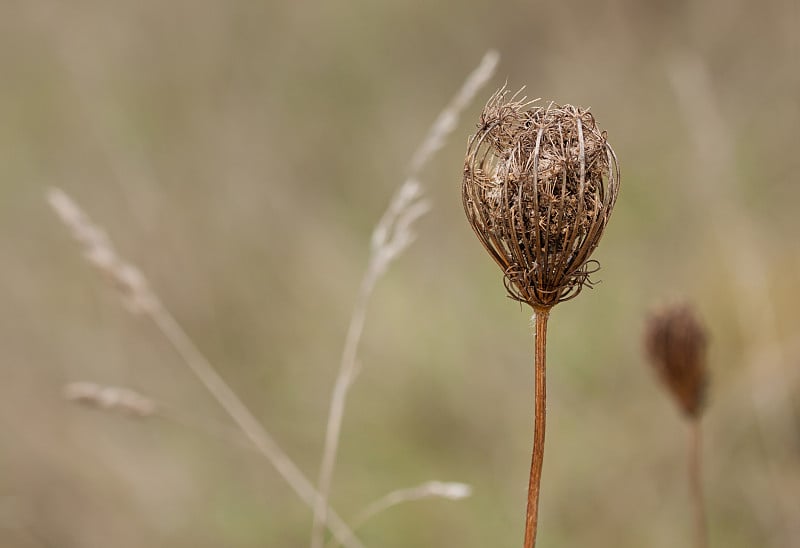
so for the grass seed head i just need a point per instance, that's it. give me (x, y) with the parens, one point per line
(539, 186)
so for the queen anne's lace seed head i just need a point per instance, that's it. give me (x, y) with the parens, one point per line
(539, 186)
(676, 343)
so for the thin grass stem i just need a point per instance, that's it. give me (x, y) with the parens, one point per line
(430, 489)
(391, 237)
(139, 298)
(250, 426)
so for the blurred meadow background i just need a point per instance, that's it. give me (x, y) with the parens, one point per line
(240, 153)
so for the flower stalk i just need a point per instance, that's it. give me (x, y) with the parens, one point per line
(676, 343)
(539, 422)
(696, 483)
(539, 186)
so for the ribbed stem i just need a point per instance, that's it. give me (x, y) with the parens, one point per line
(696, 483)
(540, 396)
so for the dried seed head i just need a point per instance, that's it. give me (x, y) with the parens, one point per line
(111, 398)
(676, 343)
(539, 185)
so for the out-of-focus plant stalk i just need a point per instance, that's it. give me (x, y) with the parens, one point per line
(391, 237)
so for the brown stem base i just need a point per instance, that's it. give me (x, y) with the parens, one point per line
(540, 396)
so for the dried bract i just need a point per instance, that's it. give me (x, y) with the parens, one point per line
(676, 343)
(539, 186)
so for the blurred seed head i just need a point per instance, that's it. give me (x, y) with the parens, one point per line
(110, 398)
(539, 186)
(136, 293)
(676, 343)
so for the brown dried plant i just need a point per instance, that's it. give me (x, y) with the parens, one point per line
(539, 186)
(540, 183)
(676, 342)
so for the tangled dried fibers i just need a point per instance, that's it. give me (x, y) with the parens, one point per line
(539, 186)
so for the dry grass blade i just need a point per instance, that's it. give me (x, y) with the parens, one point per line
(391, 236)
(430, 489)
(137, 293)
(448, 118)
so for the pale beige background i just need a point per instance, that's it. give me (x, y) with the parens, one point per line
(240, 153)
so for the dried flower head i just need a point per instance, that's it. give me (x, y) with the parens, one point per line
(676, 343)
(539, 186)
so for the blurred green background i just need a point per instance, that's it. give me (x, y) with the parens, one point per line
(240, 153)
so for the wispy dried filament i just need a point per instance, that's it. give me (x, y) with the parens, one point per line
(539, 186)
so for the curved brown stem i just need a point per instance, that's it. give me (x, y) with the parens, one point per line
(531, 518)
(696, 483)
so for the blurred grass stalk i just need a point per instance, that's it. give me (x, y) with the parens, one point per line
(391, 236)
(437, 489)
(139, 298)
(133, 404)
